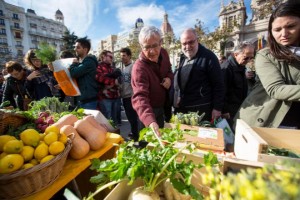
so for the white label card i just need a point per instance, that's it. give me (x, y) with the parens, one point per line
(208, 133)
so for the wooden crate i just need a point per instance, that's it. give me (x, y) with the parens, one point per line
(251, 143)
(208, 138)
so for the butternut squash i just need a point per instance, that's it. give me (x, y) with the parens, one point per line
(92, 135)
(93, 121)
(80, 147)
(68, 119)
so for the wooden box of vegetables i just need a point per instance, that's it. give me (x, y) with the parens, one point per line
(205, 137)
(266, 144)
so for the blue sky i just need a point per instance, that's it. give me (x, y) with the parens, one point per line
(98, 19)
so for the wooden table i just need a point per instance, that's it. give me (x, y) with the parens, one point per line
(73, 168)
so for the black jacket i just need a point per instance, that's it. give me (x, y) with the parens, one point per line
(205, 85)
(235, 84)
(14, 87)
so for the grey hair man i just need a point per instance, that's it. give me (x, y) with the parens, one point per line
(235, 79)
(198, 82)
(151, 79)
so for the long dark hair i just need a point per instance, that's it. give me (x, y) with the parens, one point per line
(290, 8)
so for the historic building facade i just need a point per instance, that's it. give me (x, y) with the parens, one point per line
(255, 31)
(21, 31)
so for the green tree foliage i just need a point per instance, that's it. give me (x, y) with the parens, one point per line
(69, 40)
(135, 48)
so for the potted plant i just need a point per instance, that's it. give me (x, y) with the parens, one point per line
(153, 166)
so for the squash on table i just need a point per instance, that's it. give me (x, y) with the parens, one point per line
(96, 138)
(80, 147)
(94, 122)
(68, 119)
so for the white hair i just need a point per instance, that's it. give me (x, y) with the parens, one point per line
(147, 32)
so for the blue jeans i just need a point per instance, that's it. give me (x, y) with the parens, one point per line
(109, 108)
(89, 105)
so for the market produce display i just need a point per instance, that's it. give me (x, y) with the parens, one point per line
(32, 149)
(272, 182)
(191, 118)
(154, 166)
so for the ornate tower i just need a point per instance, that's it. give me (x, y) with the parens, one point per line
(233, 13)
(167, 31)
(59, 16)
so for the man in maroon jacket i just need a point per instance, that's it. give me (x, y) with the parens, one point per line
(151, 79)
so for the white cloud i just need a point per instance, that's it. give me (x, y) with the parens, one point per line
(149, 13)
(78, 14)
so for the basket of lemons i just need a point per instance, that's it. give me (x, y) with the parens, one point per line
(31, 163)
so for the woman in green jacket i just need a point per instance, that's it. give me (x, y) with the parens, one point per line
(275, 99)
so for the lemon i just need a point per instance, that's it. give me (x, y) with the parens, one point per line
(52, 128)
(34, 161)
(27, 165)
(47, 158)
(63, 138)
(4, 139)
(50, 137)
(30, 137)
(41, 151)
(42, 135)
(2, 154)
(56, 148)
(27, 153)
(11, 163)
(13, 146)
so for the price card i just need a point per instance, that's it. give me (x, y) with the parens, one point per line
(208, 133)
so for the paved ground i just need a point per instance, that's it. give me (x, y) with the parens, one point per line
(125, 127)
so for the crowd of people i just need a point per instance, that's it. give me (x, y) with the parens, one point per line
(267, 95)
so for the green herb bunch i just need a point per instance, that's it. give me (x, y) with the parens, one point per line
(268, 183)
(46, 53)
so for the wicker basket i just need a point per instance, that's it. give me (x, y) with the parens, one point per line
(10, 120)
(26, 182)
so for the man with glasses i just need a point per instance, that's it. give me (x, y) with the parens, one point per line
(235, 79)
(109, 93)
(198, 81)
(151, 79)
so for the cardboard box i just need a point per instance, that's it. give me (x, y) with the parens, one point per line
(101, 120)
(123, 190)
(207, 138)
(251, 143)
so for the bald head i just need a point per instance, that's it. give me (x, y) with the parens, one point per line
(189, 42)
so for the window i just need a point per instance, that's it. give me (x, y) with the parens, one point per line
(2, 22)
(16, 25)
(20, 53)
(1, 12)
(18, 35)
(3, 41)
(15, 16)
(32, 25)
(19, 43)
(3, 31)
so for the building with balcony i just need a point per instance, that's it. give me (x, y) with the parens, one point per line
(22, 30)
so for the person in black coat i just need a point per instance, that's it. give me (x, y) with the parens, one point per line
(198, 82)
(235, 79)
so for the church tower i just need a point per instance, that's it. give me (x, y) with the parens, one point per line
(59, 16)
(167, 31)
